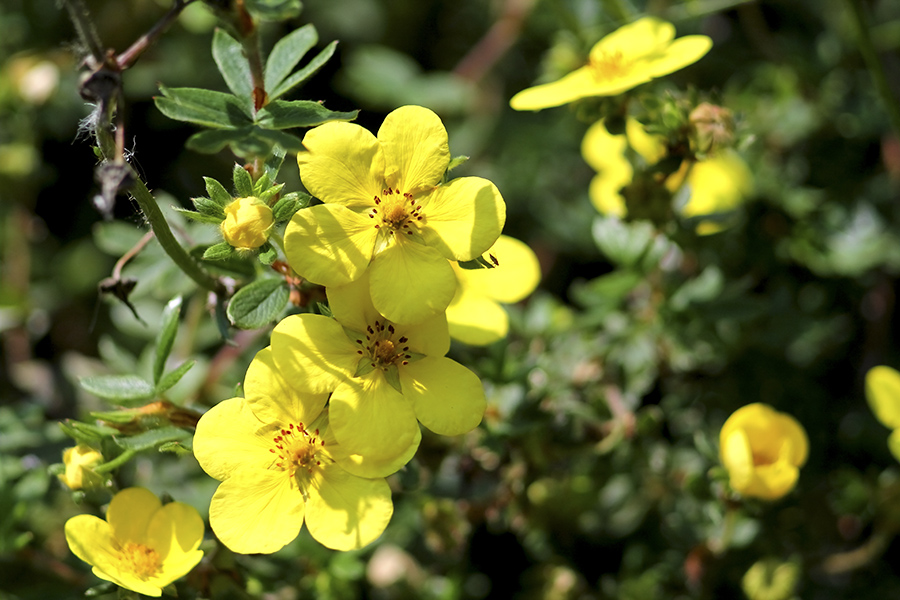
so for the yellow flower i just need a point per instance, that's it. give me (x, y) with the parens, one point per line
(607, 154)
(763, 450)
(143, 545)
(247, 223)
(631, 55)
(715, 185)
(78, 459)
(280, 466)
(883, 395)
(383, 377)
(475, 315)
(387, 213)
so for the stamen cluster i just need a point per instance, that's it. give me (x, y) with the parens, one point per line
(381, 349)
(396, 214)
(297, 449)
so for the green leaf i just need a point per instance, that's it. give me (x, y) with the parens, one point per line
(210, 142)
(209, 207)
(258, 304)
(234, 66)
(197, 216)
(115, 416)
(232, 266)
(274, 10)
(84, 433)
(219, 251)
(217, 192)
(284, 114)
(181, 448)
(118, 389)
(288, 204)
(243, 183)
(287, 52)
(274, 162)
(168, 327)
(456, 161)
(267, 138)
(153, 437)
(623, 243)
(203, 107)
(305, 73)
(173, 377)
(267, 255)
(475, 264)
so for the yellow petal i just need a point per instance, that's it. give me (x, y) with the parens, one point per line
(605, 153)
(562, 91)
(351, 304)
(737, 458)
(129, 514)
(410, 282)
(883, 395)
(329, 244)
(91, 539)
(256, 511)
(645, 36)
(344, 164)
(368, 466)
(795, 440)
(175, 532)
(894, 443)
(463, 218)
(229, 437)
(516, 274)
(346, 512)
(370, 418)
(475, 319)
(448, 398)
(718, 184)
(682, 52)
(313, 352)
(650, 147)
(773, 481)
(273, 398)
(416, 149)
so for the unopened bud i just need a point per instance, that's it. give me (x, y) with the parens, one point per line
(247, 223)
(77, 460)
(713, 127)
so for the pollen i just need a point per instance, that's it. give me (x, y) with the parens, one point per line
(381, 348)
(396, 211)
(610, 65)
(297, 450)
(140, 559)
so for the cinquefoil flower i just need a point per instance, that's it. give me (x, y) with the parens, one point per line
(142, 545)
(762, 450)
(280, 466)
(382, 376)
(631, 55)
(387, 213)
(715, 185)
(883, 396)
(475, 315)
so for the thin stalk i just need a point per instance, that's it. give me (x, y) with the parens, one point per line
(876, 70)
(116, 462)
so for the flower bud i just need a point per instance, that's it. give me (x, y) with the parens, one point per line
(247, 223)
(77, 460)
(713, 127)
(771, 579)
(763, 450)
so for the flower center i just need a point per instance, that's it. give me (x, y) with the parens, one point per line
(381, 349)
(610, 65)
(297, 450)
(396, 212)
(139, 559)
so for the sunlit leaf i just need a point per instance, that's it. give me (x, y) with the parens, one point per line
(258, 304)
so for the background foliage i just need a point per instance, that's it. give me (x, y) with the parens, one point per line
(594, 473)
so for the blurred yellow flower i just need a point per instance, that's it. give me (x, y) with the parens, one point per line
(387, 213)
(143, 545)
(883, 395)
(247, 223)
(762, 450)
(77, 459)
(280, 466)
(715, 185)
(475, 316)
(631, 55)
